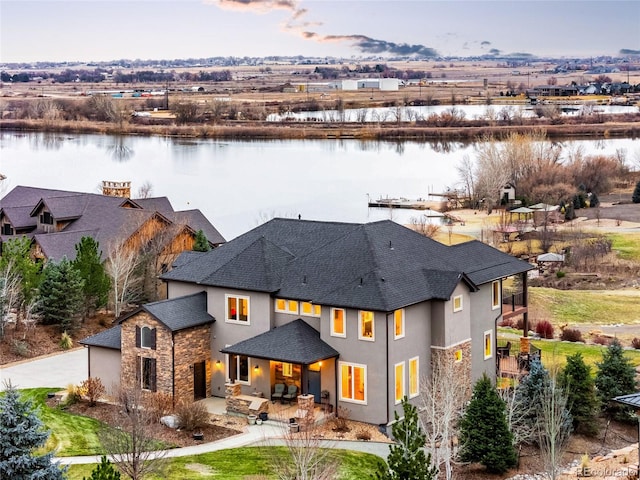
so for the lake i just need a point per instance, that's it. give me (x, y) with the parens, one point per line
(239, 184)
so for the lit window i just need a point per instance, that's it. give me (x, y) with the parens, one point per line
(414, 377)
(457, 303)
(366, 327)
(308, 308)
(353, 382)
(495, 295)
(338, 327)
(286, 306)
(287, 369)
(399, 369)
(237, 309)
(398, 324)
(488, 344)
(457, 355)
(238, 369)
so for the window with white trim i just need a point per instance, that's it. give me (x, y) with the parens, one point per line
(286, 306)
(353, 382)
(488, 344)
(237, 309)
(308, 308)
(495, 295)
(148, 337)
(238, 369)
(399, 382)
(287, 369)
(338, 322)
(398, 324)
(366, 326)
(457, 303)
(414, 377)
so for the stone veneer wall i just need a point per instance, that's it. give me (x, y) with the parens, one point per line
(191, 346)
(162, 352)
(462, 368)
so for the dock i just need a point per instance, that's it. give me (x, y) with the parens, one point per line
(419, 204)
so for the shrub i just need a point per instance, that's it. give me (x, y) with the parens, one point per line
(506, 322)
(601, 340)
(520, 324)
(544, 329)
(363, 434)
(192, 415)
(73, 394)
(66, 342)
(20, 348)
(341, 420)
(571, 335)
(635, 343)
(158, 405)
(93, 389)
(560, 274)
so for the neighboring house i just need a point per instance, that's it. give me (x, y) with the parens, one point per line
(357, 310)
(56, 220)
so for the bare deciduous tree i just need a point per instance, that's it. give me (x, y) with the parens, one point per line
(9, 295)
(121, 267)
(553, 427)
(128, 440)
(442, 398)
(422, 225)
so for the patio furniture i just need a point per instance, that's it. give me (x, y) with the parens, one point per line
(291, 393)
(278, 392)
(504, 352)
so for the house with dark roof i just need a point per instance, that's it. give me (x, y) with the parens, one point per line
(355, 311)
(56, 221)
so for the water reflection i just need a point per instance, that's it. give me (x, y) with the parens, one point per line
(120, 151)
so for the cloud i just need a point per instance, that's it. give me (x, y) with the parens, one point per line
(494, 51)
(628, 51)
(361, 42)
(485, 43)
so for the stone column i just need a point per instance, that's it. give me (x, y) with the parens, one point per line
(306, 403)
(232, 389)
(524, 344)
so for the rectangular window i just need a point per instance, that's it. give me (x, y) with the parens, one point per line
(148, 374)
(286, 306)
(457, 303)
(287, 369)
(414, 377)
(338, 326)
(365, 326)
(488, 344)
(7, 229)
(46, 218)
(237, 309)
(353, 382)
(495, 295)
(457, 355)
(398, 324)
(148, 338)
(399, 381)
(239, 367)
(308, 308)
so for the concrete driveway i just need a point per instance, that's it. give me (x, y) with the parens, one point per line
(52, 371)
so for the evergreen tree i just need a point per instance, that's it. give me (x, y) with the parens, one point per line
(529, 391)
(16, 255)
(484, 433)
(104, 471)
(201, 243)
(577, 382)
(407, 458)
(635, 197)
(594, 201)
(21, 432)
(60, 297)
(91, 268)
(615, 377)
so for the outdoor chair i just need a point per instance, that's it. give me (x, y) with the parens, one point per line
(291, 394)
(278, 392)
(504, 352)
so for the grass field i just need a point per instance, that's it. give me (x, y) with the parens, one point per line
(598, 307)
(627, 245)
(248, 463)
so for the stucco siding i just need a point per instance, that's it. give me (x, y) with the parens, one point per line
(104, 363)
(484, 319)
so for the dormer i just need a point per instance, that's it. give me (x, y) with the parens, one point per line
(55, 213)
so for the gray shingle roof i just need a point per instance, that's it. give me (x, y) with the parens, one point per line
(631, 400)
(294, 342)
(108, 339)
(178, 313)
(377, 266)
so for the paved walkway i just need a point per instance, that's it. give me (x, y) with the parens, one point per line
(270, 433)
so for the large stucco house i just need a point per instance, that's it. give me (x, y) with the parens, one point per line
(355, 310)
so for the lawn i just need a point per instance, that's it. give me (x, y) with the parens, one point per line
(627, 245)
(70, 434)
(599, 307)
(247, 462)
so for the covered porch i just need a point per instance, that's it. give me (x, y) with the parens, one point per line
(514, 357)
(287, 362)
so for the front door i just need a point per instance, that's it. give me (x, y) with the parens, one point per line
(313, 380)
(199, 380)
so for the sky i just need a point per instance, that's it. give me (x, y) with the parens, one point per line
(95, 30)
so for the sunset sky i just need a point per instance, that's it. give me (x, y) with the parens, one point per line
(88, 30)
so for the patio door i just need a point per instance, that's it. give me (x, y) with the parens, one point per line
(313, 382)
(199, 381)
